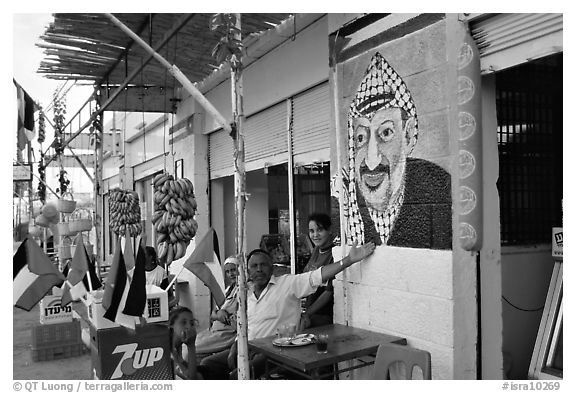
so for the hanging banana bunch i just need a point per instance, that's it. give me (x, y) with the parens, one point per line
(125, 212)
(174, 209)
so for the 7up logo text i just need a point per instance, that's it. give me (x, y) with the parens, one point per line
(133, 360)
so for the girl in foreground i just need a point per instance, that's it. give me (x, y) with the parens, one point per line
(183, 332)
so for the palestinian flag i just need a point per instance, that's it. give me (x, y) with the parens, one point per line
(207, 250)
(136, 299)
(125, 291)
(80, 272)
(34, 275)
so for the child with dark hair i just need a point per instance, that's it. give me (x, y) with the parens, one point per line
(155, 274)
(183, 333)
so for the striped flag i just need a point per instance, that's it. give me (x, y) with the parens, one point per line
(206, 250)
(34, 275)
(136, 298)
(125, 291)
(80, 270)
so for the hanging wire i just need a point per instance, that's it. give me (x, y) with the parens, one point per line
(125, 126)
(522, 309)
(165, 120)
(173, 103)
(143, 94)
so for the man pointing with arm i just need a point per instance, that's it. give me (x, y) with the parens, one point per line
(275, 301)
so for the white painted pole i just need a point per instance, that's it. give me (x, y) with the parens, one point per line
(343, 245)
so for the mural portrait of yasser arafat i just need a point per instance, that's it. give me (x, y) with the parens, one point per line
(392, 198)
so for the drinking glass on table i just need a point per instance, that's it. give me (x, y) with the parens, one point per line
(291, 330)
(282, 332)
(321, 343)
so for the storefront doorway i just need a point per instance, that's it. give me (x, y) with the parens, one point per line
(529, 112)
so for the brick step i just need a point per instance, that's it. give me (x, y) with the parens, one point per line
(58, 352)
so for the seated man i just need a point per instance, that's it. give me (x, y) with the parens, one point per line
(275, 301)
(222, 333)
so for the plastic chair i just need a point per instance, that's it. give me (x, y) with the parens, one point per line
(388, 354)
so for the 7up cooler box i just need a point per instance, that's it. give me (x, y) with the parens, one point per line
(121, 353)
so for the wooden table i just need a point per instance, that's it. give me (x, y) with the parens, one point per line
(344, 343)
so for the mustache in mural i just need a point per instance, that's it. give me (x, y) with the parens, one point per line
(374, 177)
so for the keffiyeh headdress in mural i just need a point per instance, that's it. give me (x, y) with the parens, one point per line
(380, 88)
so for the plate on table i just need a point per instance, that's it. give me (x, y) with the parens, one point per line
(298, 341)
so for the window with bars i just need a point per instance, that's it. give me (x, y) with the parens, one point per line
(529, 114)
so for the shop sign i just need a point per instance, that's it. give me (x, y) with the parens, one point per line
(557, 242)
(135, 359)
(22, 172)
(52, 311)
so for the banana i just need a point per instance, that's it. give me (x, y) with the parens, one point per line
(170, 255)
(179, 252)
(176, 187)
(156, 216)
(162, 249)
(178, 233)
(173, 238)
(164, 201)
(190, 186)
(184, 230)
(160, 179)
(177, 220)
(161, 237)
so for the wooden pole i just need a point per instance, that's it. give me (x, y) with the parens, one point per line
(240, 197)
(98, 197)
(31, 184)
(176, 73)
(292, 214)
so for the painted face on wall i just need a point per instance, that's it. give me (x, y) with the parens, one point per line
(381, 145)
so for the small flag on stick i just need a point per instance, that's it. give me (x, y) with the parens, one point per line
(34, 275)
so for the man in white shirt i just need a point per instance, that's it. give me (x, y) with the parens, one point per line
(275, 301)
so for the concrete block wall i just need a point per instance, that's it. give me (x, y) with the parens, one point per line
(427, 296)
(404, 292)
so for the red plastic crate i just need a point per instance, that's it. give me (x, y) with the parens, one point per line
(56, 335)
(58, 352)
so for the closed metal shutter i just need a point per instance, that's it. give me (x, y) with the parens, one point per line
(311, 128)
(265, 135)
(506, 40)
(264, 138)
(221, 154)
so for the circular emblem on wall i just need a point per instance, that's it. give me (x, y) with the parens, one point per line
(468, 236)
(467, 200)
(467, 163)
(466, 124)
(465, 89)
(465, 56)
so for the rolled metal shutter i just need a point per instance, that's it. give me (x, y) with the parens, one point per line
(264, 138)
(221, 154)
(311, 128)
(506, 40)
